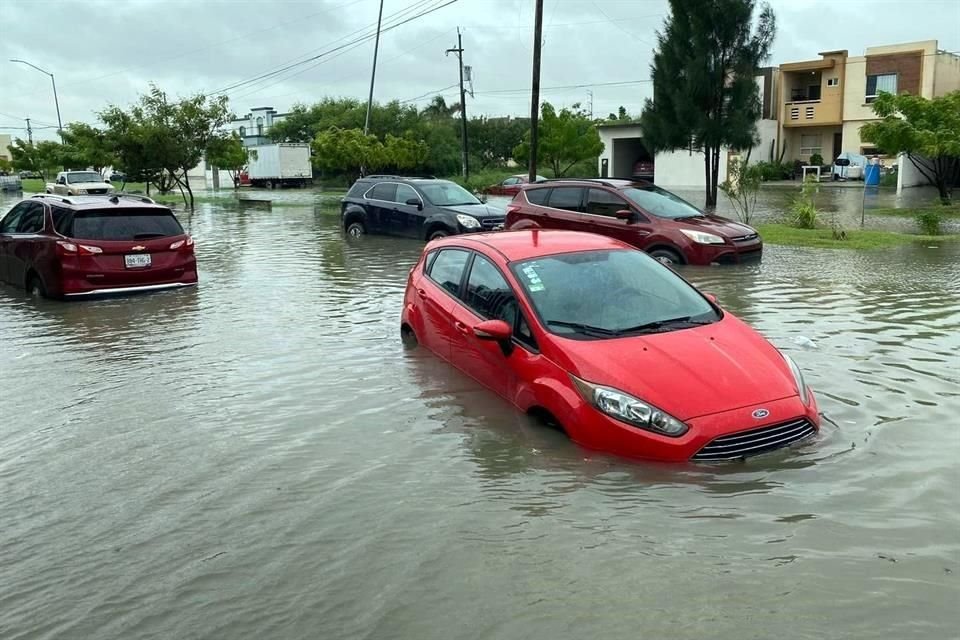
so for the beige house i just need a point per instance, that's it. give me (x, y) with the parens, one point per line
(5, 144)
(826, 101)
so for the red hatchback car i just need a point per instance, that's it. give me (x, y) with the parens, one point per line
(87, 245)
(510, 186)
(638, 213)
(615, 348)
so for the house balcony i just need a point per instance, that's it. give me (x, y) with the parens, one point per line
(811, 113)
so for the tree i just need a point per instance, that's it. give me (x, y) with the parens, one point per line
(566, 138)
(43, 157)
(346, 151)
(6, 165)
(742, 187)
(621, 115)
(86, 146)
(703, 74)
(927, 131)
(492, 140)
(228, 152)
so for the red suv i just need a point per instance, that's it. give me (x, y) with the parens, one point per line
(638, 213)
(87, 245)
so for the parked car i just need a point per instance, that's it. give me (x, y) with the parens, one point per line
(643, 170)
(29, 175)
(638, 213)
(10, 182)
(116, 176)
(78, 183)
(510, 186)
(56, 246)
(424, 208)
(603, 341)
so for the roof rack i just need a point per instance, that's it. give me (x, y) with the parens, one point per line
(115, 198)
(385, 176)
(52, 197)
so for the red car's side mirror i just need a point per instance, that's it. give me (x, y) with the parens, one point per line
(493, 330)
(711, 297)
(626, 214)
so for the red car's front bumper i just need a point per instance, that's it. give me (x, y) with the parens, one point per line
(787, 421)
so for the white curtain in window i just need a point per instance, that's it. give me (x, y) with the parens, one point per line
(887, 83)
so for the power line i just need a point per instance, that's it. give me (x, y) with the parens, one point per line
(569, 86)
(369, 36)
(430, 94)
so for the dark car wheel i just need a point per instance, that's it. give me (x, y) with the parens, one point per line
(356, 230)
(666, 256)
(408, 337)
(35, 288)
(439, 233)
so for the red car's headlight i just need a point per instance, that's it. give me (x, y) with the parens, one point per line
(633, 411)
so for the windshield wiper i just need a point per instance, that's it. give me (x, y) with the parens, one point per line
(585, 329)
(650, 327)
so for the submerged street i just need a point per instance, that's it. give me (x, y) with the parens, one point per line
(260, 457)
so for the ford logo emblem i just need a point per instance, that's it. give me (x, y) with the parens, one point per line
(760, 414)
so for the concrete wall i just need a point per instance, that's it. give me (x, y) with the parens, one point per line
(946, 74)
(684, 169)
(607, 136)
(907, 174)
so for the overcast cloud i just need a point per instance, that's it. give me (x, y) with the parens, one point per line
(108, 52)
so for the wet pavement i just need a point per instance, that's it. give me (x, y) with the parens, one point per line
(260, 457)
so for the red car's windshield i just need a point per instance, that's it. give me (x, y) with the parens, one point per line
(610, 293)
(661, 202)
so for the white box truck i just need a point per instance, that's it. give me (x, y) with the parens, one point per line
(279, 165)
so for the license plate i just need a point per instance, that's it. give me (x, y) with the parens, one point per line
(137, 261)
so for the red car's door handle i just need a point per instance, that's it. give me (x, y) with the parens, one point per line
(421, 293)
(462, 328)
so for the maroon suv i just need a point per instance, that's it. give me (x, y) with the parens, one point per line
(638, 213)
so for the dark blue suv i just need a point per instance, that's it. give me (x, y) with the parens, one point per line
(424, 208)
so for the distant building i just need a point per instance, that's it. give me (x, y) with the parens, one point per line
(826, 101)
(5, 143)
(254, 128)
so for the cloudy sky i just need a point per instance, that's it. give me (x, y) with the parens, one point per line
(108, 52)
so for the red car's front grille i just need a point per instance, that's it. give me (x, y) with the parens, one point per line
(753, 442)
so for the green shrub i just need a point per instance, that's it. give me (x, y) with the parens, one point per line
(929, 221)
(816, 160)
(889, 179)
(769, 171)
(804, 211)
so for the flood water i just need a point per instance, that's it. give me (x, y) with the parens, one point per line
(260, 458)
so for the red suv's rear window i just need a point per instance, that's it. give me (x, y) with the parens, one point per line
(128, 224)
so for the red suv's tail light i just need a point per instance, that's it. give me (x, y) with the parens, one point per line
(512, 208)
(66, 248)
(182, 244)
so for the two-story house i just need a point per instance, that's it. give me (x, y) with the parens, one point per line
(254, 128)
(826, 101)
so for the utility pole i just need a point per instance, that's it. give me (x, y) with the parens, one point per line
(535, 93)
(373, 73)
(56, 100)
(463, 105)
(590, 95)
(29, 131)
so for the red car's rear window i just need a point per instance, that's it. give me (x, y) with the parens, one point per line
(129, 224)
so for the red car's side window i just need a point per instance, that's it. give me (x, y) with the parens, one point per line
(447, 269)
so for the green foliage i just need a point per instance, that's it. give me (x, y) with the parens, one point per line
(622, 116)
(703, 80)
(347, 151)
(805, 214)
(492, 140)
(86, 146)
(44, 157)
(565, 139)
(769, 171)
(227, 152)
(928, 131)
(158, 140)
(742, 187)
(6, 165)
(781, 234)
(889, 179)
(929, 221)
(816, 160)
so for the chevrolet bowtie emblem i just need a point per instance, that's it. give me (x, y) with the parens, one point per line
(138, 248)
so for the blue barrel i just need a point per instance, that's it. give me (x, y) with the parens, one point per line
(871, 175)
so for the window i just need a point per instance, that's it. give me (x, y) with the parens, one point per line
(661, 203)
(511, 181)
(833, 82)
(882, 82)
(604, 203)
(566, 198)
(447, 269)
(385, 191)
(9, 224)
(489, 294)
(810, 144)
(129, 224)
(259, 126)
(358, 189)
(537, 196)
(32, 220)
(405, 192)
(447, 194)
(243, 131)
(61, 219)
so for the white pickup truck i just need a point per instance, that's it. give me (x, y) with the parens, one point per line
(78, 183)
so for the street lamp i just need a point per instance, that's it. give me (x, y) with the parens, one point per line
(55, 100)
